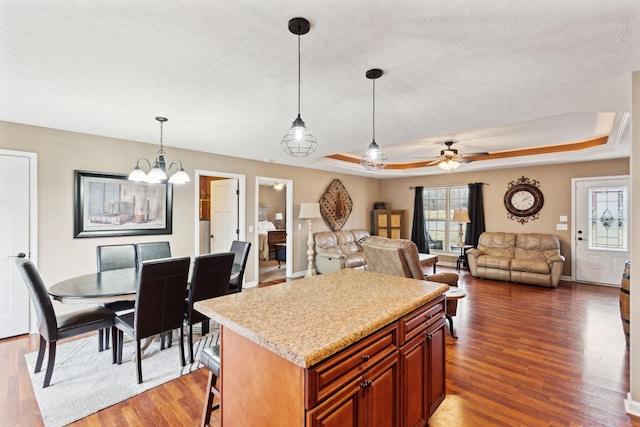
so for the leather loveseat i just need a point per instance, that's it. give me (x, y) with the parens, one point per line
(339, 249)
(530, 258)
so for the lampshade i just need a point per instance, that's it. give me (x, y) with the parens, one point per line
(461, 215)
(309, 211)
(279, 216)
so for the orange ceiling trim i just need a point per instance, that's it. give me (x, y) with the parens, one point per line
(590, 143)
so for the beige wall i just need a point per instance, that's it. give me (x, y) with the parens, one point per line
(59, 153)
(555, 183)
(275, 200)
(60, 256)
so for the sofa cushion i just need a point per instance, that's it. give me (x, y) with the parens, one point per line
(346, 242)
(501, 245)
(537, 246)
(530, 265)
(355, 260)
(492, 261)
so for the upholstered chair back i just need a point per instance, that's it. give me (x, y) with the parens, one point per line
(396, 257)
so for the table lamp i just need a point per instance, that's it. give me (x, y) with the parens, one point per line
(461, 216)
(279, 217)
(310, 211)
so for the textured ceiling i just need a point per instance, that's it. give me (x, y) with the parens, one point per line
(493, 76)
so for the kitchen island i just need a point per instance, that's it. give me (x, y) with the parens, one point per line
(346, 348)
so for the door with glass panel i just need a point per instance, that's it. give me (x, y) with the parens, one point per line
(601, 229)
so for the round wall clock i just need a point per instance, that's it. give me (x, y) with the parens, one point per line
(523, 200)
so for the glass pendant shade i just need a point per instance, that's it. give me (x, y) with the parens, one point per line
(137, 175)
(374, 158)
(299, 142)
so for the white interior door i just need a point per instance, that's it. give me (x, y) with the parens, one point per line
(14, 239)
(602, 223)
(224, 214)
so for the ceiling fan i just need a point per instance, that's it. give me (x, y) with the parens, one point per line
(450, 158)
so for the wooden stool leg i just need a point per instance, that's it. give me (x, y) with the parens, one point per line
(209, 407)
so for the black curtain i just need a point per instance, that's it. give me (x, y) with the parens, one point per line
(476, 214)
(418, 232)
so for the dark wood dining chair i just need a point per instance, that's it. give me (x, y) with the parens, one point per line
(152, 250)
(210, 279)
(159, 306)
(53, 328)
(114, 257)
(241, 252)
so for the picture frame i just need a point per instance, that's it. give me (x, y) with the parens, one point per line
(108, 204)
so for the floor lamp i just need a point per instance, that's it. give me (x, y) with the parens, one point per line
(461, 216)
(310, 211)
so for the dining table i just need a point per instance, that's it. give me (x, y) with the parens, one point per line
(103, 287)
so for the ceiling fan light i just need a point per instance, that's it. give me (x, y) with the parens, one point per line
(449, 164)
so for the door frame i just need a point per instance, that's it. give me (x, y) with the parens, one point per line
(242, 202)
(33, 217)
(574, 236)
(289, 227)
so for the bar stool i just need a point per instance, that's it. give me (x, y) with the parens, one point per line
(210, 358)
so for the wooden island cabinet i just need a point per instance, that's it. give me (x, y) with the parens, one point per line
(349, 348)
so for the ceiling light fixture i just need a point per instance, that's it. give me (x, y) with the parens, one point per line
(448, 164)
(299, 142)
(374, 159)
(158, 172)
(278, 186)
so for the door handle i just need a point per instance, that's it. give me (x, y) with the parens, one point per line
(20, 255)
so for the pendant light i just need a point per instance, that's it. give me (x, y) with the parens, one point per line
(374, 159)
(299, 142)
(158, 172)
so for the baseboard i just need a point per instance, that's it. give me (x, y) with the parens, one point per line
(632, 407)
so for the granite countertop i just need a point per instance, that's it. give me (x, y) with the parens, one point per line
(305, 321)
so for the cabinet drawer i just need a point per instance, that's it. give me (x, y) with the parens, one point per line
(329, 376)
(416, 322)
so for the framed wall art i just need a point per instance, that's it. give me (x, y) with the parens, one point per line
(108, 204)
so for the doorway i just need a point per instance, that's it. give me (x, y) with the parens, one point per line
(18, 235)
(600, 236)
(274, 225)
(220, 210)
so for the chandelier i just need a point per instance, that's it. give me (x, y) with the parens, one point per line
(158, 172)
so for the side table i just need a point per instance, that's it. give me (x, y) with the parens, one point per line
(454, 293)
(462, 258)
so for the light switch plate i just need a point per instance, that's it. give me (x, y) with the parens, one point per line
(563, 218)
(561, 227)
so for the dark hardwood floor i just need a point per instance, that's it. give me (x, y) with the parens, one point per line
(526, 356)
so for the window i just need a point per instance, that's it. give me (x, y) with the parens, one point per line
(439, 204)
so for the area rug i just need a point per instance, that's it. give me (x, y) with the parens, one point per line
(84, 381)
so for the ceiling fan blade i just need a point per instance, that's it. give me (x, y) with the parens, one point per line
(484, 153)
